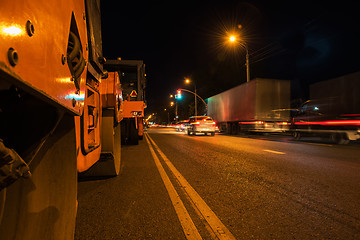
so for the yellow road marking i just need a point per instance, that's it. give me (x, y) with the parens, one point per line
(218, 228)
(271, 151)
(186, 222)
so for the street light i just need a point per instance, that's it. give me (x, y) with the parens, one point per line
(232, 39)
(188, 81)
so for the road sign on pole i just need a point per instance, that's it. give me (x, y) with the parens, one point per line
(133, 93)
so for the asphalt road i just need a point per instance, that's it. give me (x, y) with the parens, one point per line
(243, 187)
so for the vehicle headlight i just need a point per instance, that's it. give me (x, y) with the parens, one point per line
(136, 113)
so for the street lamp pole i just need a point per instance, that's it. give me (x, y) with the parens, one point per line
(233, 39)
(196, 95)
(176, 111)
(176, 106)
(195, 101)
(247, 64)
(189, 81)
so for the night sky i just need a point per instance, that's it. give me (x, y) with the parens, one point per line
(302, 41)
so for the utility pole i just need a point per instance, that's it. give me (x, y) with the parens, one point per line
(247, 64)
(176, 111)
(233, 39)
(195, 102)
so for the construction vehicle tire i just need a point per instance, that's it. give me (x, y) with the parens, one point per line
(134, 134)
(110, 158)
(43, 206)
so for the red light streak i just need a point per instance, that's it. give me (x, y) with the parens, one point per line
(337, 122)
(254, 122)
(350, 115)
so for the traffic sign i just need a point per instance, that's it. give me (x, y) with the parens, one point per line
(133, 93)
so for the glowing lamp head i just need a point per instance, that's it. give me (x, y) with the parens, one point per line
(232, 38)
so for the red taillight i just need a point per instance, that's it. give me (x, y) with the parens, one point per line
(333, 122)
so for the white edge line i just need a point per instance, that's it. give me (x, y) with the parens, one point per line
(186, 222)
(272, 151)
(215, 223)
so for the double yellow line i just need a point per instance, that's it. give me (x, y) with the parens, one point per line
(215, 227)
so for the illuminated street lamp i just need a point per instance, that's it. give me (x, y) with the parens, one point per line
(232, 39)
(188, 81)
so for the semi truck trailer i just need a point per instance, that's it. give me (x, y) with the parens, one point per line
(332, 112)
(261, 105)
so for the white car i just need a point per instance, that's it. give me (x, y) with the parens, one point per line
(201, 124)
(180, 126)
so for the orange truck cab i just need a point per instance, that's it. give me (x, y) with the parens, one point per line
(133, 82)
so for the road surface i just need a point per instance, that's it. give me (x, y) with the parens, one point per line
(174, 186)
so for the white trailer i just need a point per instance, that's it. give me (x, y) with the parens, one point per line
(333, 111)
(261, 105)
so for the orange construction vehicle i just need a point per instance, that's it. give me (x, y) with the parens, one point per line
(59, 114)
(133, 82)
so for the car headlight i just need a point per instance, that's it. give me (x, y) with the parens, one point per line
(136, 113)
